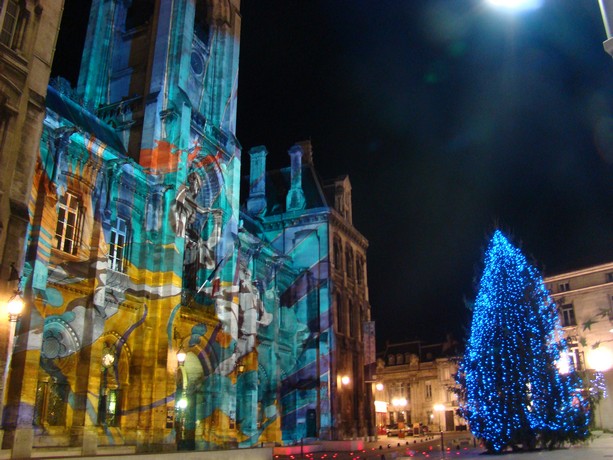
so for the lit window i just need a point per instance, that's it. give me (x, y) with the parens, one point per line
(568, 315)
(117, 245)
(10, 24)
(66, 232)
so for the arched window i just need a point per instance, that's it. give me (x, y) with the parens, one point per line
(338, 253)
(339, 315)
(349, 261)
(360, 270)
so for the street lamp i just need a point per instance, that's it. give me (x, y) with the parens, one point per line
(516, 5)
(14, 308)
(181, 356)
(439, 408)
(379, 386)
(345, 380)
(606, 9)
(600, 359)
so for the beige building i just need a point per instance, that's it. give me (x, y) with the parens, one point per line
(585, 299)
(28, 33)
(413, 386)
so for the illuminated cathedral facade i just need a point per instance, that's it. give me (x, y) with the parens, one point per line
(163, 309)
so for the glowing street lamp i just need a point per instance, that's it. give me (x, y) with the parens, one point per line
(606, 9)
(14, 308)
(439, 408)
(379, 386)
(345, 380)
(600, 359)
(515, 5)
(181, 356)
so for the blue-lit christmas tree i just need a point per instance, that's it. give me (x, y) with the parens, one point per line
(514, 394)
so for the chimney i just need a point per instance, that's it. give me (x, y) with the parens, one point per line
(307, 152)
(295, 197)
(256, 203)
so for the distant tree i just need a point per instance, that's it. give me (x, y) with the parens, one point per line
(513, 392)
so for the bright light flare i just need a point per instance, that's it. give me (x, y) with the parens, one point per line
(516, 5)
(600, 359)
(182, 403)
(564, 363)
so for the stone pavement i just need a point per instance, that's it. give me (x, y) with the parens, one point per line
(599, 448)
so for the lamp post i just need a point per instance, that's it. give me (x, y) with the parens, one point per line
(606, 9)
(14, 308)
(440, 408)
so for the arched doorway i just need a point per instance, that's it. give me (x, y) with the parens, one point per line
(189, 381)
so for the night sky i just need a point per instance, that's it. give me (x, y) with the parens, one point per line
(450, 118)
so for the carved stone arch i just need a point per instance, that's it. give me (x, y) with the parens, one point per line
(211, 180)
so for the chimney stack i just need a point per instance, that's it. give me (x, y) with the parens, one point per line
(295, 197)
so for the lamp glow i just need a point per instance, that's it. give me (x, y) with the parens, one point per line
(564, 363)
(182, 403)
(399, 402)
(600, 359)
(181, 356)
(345, 380)
(439, 407)
(15, 306)
(516, 5)
(379, 386)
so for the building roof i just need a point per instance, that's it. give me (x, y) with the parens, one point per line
(79, 116)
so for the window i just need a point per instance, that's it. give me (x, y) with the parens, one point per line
(117, 245)
(360, 270)
(139, 13)
(339, 314)
(351, 320)
(349, 261)
(568, 315)
(11, 15)
(201, 22)
(428, 390)
(338, 253)
(609, 277)
(66, 232)
(563, 287)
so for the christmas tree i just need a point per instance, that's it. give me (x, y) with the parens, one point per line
(514, 393)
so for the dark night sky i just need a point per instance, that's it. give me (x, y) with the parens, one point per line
(450, 118)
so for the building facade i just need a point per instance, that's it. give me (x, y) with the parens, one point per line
(414, 386)
(163, 311)
(28, 33)
(310, 222)
(585, 303)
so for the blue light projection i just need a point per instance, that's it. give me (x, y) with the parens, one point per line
(514, 391)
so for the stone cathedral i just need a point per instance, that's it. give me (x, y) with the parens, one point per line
(165, 308)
